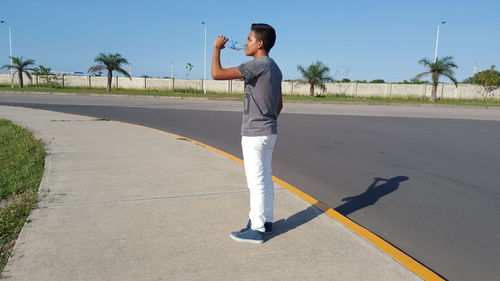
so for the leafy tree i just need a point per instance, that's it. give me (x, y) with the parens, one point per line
(317, 74)
(488, 80)
(345, 80)
(377, 81)
(109, 62)
(440, 67)
(189, 67)
(20, 66)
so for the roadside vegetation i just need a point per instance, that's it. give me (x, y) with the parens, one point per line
(323, 98)
(22, 159)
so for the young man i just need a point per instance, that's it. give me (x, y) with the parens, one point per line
(262, 105)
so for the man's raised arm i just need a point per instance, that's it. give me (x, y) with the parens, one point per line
(219, 73)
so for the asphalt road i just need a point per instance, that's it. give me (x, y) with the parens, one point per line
(427, 185)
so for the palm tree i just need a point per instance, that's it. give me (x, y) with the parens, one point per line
(315, 75)
(110, 62)
(20, 66)
(42, 70)
(44, 73)
(440, 67)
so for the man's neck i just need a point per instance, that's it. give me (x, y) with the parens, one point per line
(260, 53)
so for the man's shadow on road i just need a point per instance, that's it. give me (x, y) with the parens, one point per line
(371, 195)
(353, 203)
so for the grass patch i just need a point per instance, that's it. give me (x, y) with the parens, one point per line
(337, 98)
(326, 98)
(169, 93)
(22, 159)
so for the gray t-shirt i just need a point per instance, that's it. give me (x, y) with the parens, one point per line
(262, 96)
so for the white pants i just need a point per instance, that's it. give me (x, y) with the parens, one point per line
(257, 156)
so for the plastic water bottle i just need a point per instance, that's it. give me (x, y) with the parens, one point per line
(235, 45)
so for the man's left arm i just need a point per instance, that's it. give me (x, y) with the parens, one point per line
(280, 104)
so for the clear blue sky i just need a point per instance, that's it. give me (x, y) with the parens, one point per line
(362, 40)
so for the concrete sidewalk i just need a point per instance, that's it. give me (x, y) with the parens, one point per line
(123, 202)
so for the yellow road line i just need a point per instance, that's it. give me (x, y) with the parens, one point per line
(380, 243)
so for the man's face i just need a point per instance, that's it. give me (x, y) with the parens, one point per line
(252, 44)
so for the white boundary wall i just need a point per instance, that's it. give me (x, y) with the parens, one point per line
(463, 91)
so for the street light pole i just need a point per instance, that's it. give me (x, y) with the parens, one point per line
(173, 57)
(205, 60)
(437, 42)
(172, 69)
(10, 51)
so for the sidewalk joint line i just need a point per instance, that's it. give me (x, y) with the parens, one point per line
(77, 204)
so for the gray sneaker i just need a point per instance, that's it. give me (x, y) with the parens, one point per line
(248, 235)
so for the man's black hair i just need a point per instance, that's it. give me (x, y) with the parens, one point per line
(266, 33)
